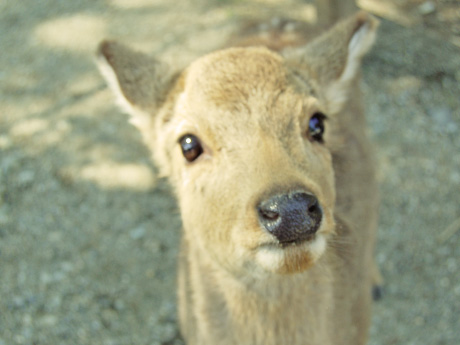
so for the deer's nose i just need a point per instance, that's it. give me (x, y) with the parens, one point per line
(291, 217)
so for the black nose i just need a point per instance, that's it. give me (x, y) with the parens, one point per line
(290, 217)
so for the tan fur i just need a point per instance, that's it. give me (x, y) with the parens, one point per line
(250, 108)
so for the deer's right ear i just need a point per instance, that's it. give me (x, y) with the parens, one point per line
(139, 82)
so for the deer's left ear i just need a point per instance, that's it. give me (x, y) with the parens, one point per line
(334, 59)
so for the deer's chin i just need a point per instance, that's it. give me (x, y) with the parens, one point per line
(291, 258)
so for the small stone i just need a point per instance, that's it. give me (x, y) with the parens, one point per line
(46, 278)
(426, 8)
(26, 177)
(419, 321)
(4, 218)
(96, 325)
(19, 339)
(27, 320)
(290, 27)
(444, 282)
(55, 302)
(17, 302)
(9, 162)
(48, 320)
(109, 317)
(138, 233)
(119, 305)
(457, 290)
(455, 177)
(263, 27)
(452, 265)
(67, 267)
(168, 332)
(275, 22)
(442, 116)
(5, 142)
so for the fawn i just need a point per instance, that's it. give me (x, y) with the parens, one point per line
(274, 176)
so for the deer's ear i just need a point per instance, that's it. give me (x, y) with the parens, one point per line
(334, 59)
(139, 81)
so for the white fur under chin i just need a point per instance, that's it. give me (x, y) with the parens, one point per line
(271, 258)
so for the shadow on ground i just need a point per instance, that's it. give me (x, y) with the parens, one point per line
(89, 235)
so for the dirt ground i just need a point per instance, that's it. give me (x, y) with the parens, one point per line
(89, 235)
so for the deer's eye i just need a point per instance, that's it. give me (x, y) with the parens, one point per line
(316, 127)
(191, 147)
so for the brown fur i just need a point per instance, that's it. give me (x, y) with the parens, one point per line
(250, 108)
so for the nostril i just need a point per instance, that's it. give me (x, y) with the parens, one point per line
(268, 214)
(269, 209)
(313, 208)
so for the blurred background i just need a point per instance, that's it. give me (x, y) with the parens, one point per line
(89, 235)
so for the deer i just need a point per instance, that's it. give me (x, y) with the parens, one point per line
(267, 154)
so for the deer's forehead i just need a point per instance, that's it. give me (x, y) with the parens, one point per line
(233, 76)
(240, 90)
(253, 62)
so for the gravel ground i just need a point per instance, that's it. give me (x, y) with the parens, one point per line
(88, 235)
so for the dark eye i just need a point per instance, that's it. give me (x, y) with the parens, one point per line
(191, 147)
(316, 127)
